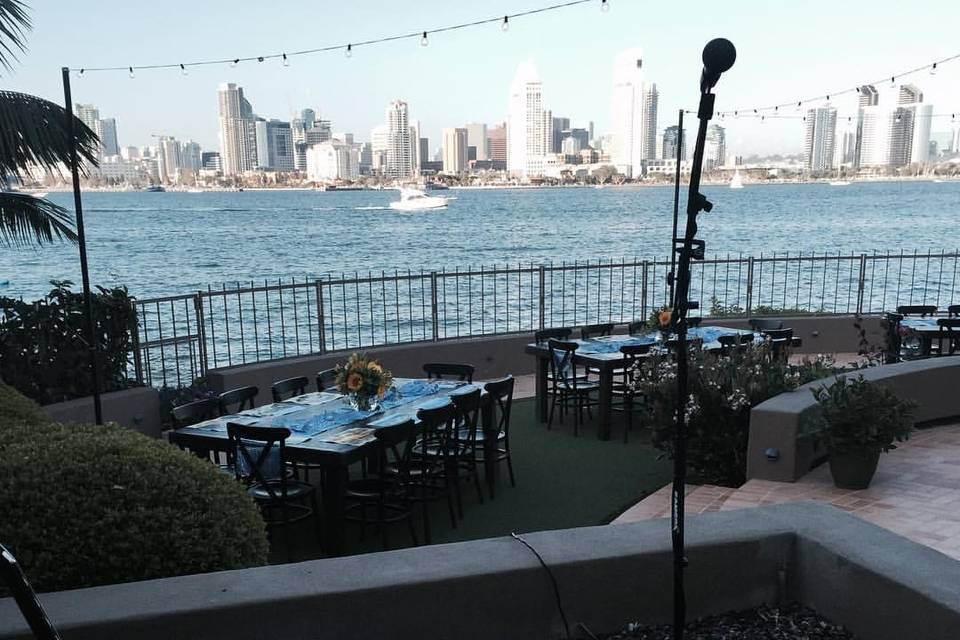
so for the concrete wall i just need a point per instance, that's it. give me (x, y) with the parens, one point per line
(496, 356)
(774, 424)
(880, 585)
(137, 409)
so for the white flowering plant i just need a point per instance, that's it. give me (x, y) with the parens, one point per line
(722, 390)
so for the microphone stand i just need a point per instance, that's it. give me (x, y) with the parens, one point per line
(687, 249)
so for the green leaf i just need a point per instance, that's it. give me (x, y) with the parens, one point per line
(26, 220)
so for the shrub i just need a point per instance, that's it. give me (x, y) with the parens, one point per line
(722, 389)
(43, 344)
(91, 505)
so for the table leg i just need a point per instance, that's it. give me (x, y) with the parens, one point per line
(606, 400)
(334, 485)
(541, 404)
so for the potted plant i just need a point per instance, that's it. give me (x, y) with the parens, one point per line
(858, 420)
(364, 381)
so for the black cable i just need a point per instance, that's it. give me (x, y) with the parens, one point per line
(553, 581)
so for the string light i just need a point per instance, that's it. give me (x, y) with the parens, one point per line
(183, 70)
(506, 24)
(897, 119)
(604, 6)
(893, 81)
(235, 62)
(81, 72)
(933, 69)
(349, 51)
(423, 41)
(286, 62)
(259, 58)
(130, 72)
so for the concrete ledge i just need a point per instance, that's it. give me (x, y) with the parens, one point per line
(932, 383)
(137, 408)
(880, 585)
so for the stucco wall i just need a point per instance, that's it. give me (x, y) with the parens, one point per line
(137, 409)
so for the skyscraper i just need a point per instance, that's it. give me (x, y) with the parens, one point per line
(910, 128)
(477, 138)
(671, 139)
(90, 116)
(715, 147)
(168, 159)
(191, 156)
(497, 143)
(237, 130)
(560, 125)
(527, 141)
(455, 150)
(632, 134)
(399, 163)
(275, 149)
(649, 133)
(866, 125)
(108, 137)
(820, 138)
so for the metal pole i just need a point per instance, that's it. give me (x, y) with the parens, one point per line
(81, 238)
(676, 204)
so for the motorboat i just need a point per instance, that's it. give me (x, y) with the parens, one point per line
(736, 182)
(839, 183)
(417, 200)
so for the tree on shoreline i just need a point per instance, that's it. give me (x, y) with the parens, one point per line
(33, 133)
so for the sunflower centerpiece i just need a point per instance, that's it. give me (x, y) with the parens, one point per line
(662, 320)
(364, 381)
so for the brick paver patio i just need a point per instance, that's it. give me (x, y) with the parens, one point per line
(915, 493)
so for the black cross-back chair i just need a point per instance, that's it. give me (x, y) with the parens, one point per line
(385, 490)
(557, 333)
(953, 311)
(289, 388)
(260, 454)
(327, 380)
(760, 325)
(430, 480)
(949, 331)
(780, 341)
(443, 370)
(569, 390)
(637, 327)
(26, 598)
(465, 441)
(732, 343)
(673, 344)
(632, 354)
(237, 400)
(894, 351)
(191, 413)
(596, 330)
(922, 310)
(694, 322)
(501, 399)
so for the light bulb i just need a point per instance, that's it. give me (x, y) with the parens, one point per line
(762, 119)
(506, 24)
(183, 70)
(81, 72)
(259, 58)
(130, 72)
(893, 81)
(286, 62)
(798, 105)
(423, 41)
(349, 51)
(604, 6)
(235, 62)
(933, 69)
(897, 119)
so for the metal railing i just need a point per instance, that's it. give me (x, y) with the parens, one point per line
(182, 337)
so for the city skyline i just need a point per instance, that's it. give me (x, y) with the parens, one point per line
(457, 78)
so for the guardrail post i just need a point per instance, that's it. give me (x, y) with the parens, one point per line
(135, 343)
(643, 291)
(543, 296)
(201, 333)
(321, 329)
(434, 315)
(861, 283)
(749, 285)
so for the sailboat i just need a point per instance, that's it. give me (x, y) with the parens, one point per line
(736, 182)
(838, 182)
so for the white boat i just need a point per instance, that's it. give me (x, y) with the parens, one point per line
(39, 194)
(839, 183)
(736, 182)
(417, 200)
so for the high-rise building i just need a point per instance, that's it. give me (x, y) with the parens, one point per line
(671, 141)
(820, 138)
(415, 159)
(910, 128)
(237, 130)
(191, 158)
(560, 125)
(497, 143)
(333, 160)
(477, 137)
(378, 149)
(424, 151)
(168, 159)
(210, 161)
(108, 137)
(570, 148)
(399, 163)
(89, 115)
(634, 136)
(527, 139)
(130, 153)
(455, 142)
(275, 149)
(715, 147)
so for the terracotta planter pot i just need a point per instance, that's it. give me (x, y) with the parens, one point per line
(853, 469)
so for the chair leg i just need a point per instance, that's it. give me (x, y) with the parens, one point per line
(553, 405)
(476, 480)
(628, 414)
(382, 520)
(286, 530)
(316, 518)
(513, 482)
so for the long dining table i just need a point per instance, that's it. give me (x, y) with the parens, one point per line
(926, 330)
(326, 431)
(603, 355)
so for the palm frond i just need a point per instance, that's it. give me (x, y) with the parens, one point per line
(14, 23)
(26, 220)
(34, 131)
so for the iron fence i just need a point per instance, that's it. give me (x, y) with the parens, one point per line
(182, 337)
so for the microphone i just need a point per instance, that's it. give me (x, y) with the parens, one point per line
(718, 56)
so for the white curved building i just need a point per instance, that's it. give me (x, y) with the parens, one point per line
(528, 135)
(634, 111)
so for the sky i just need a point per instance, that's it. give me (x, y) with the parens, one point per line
(786, 51)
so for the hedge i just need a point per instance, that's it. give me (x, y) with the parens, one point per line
(91, 505)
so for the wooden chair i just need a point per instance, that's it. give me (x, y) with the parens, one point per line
(569, 390)
(501, 397)
(953, 311)
(289, 388)
(637, 327)
(730, 344)
(596, 330)
(922, 310)
(430, 478)
(557, 333)
(260, 454)
(384, 490)
(464, 444)
(780, 341)
(442, 370)
(949, 331)
(191, 413)
(327, 380)
(237, 400)
(632, 354)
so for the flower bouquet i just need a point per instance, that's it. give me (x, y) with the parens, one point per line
(364, 381)
(662, 320)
